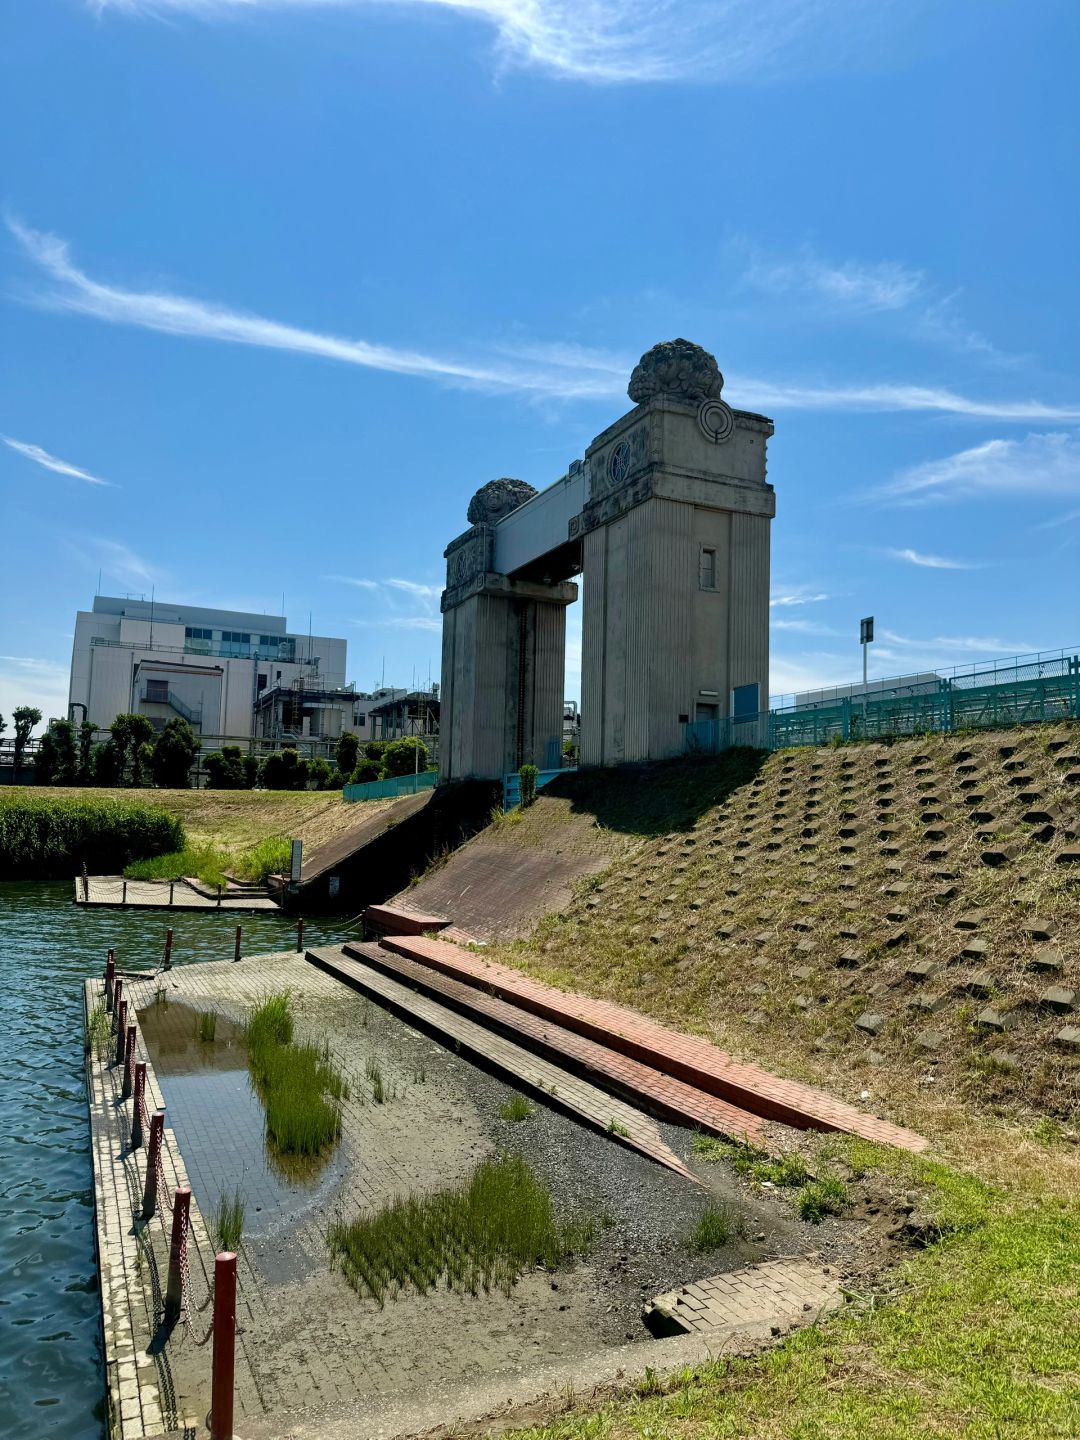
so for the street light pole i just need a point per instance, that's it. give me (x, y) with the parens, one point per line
(866, 638)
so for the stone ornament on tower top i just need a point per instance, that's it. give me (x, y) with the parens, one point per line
(686, 372)
(497, 498)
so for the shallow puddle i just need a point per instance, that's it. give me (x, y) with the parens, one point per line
(220, 1125)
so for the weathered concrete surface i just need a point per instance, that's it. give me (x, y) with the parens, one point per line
(754, 1301)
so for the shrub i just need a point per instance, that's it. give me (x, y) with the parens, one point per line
(272, 856)
(527, 778)
(226, 769)
(373, 750)
(284, 770)
(366, 771)
(106, 764)
(348, 751)
(404, 756)
(173, 755)
(50, 837)
(319, 773)
(57, 759)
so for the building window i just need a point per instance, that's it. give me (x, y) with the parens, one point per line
(361, 720)
(707, 568)
(262, 683)
(157, 691)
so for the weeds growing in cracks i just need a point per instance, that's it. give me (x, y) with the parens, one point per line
(480, 1236)
(300, 1086)
(98, 1032)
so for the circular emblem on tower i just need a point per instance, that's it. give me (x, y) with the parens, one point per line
(716, 420)
(678, 368)
(497, 498)
(619, 462)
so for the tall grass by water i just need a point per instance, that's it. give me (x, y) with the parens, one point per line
(479, 1236)
(229, 1221)
(301, 1088)
(50, 837)
(210, 864)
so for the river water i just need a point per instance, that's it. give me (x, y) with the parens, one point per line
(51, 1373)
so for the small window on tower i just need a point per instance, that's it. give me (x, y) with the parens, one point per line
(707, 569)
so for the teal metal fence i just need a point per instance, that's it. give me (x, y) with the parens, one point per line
(1023, 691)
(391, 789)
(512, 784)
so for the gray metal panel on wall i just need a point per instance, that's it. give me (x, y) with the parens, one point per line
(668, 622)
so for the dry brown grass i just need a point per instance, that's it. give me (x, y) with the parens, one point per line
(236, 820)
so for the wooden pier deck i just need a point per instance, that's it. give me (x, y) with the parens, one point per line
(115, 891)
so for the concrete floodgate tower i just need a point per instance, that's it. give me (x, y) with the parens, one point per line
(667, 520)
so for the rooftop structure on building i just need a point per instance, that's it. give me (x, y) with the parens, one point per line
(211, 667)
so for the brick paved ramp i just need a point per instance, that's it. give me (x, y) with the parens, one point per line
(641, 1085)
(558, 1086)
(750, 1301)
(686, 1058)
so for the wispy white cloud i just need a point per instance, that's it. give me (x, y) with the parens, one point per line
(621, 41)
(51, 462)
(964, 644)
(1038, 464)
(930, 562)
(405, 604)
(568, 373)
(402, 622)
(805, 627)
(797, 595)
(855, 287)
(117, 562)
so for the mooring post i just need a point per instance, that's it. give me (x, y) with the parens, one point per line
(137, 1107)
(224, 1361)
(117, 994)
(85, 884)
(219, 896)
(123, 894)
(168, 950)
(236, 947)
(174, 1294)
(110, 977)
(121, 1033)
(171, 884)
(299, 935)
(153, 1160)
(129, 1063)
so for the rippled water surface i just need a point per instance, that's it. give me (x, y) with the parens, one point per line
(51, 1378)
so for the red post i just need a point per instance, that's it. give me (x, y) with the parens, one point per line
(129, 1063)
(137, 1108)
(121, 1033)
(236, 947)
(168, 950)
(153, 1160)
(174, 1294)
(299, 935)
(118, 991)
(224, 1363)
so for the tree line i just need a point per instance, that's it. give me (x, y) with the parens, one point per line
(135, 755)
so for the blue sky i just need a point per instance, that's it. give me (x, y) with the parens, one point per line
(285, 281)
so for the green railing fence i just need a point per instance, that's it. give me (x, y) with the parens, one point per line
(1022, 691)
(391, 789)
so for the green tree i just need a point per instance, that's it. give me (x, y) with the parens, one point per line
(348, 751)
(25, 717)
(106, 764)
(226, 769)
(129, 732)
(57, 759)
(404, 756)
(373, 749)
(174, 754)
(284, 770)
(319, 773)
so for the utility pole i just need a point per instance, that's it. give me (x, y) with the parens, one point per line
(866, 639)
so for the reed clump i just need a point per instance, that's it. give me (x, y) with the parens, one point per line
(47, 837)
(229, 1221)
(300, 1086)
(478, 1237)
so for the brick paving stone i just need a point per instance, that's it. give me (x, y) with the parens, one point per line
(750, 1301)
(686, 1057)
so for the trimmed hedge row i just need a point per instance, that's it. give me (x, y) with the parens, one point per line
(42, 838)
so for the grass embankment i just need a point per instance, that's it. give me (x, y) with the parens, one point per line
(301, 1088)
(760, 919)
(973, 1336)
(480, 1236)
(49, 837)
(212, 865)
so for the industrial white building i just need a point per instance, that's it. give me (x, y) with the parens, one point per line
(209, 666)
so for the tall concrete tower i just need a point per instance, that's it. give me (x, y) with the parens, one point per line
(667, 519)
